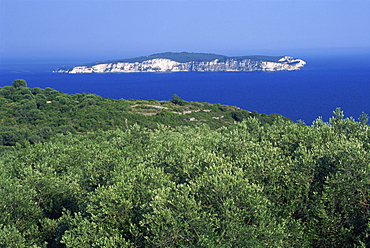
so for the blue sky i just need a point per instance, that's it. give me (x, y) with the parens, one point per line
(112, 29)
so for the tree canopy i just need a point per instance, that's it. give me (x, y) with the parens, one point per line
(19, 83)
(250, 183)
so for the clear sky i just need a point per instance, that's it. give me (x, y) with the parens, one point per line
(113, 29)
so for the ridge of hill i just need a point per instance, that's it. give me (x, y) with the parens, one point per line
(34, 114)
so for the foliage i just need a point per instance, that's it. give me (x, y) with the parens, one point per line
(176, 100)
(19, 83)
(30, 116)
(255, 183)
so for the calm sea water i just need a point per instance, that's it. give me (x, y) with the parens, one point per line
(325, 83)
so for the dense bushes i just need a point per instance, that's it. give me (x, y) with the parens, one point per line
(246, 185)
(261, 182)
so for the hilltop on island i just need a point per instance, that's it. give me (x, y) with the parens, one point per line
(189, 62)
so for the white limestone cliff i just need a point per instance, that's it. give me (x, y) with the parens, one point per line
(286, 63)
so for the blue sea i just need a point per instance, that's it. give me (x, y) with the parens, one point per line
(325, 83)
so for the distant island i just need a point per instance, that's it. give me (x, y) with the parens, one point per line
(189, 62)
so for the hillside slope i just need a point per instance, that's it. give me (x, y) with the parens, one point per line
(33, 115)
(244, 184)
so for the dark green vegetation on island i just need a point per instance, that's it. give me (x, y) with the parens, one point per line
(95, 180)
(178, 57)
